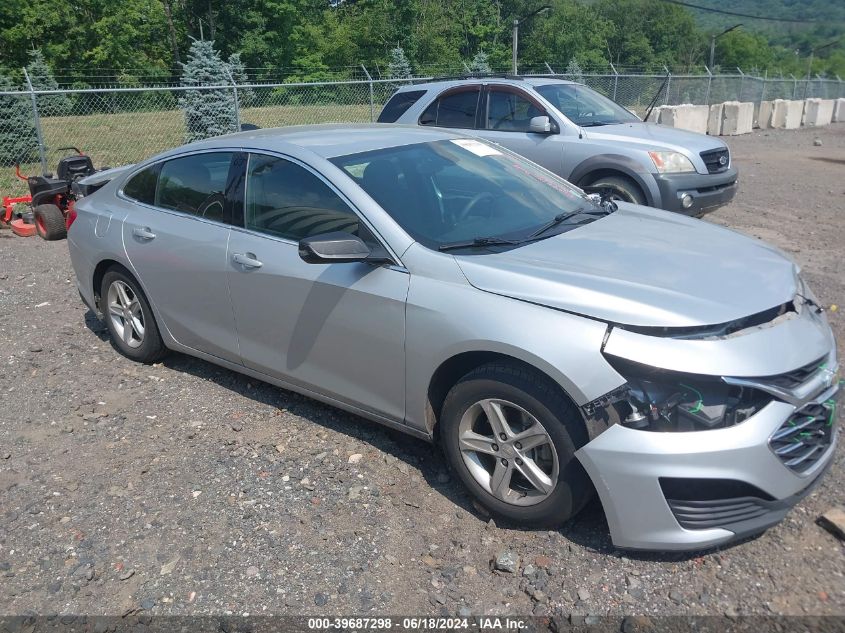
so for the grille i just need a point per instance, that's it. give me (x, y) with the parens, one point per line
(712, 158)
(701, 515)
(795, 378)
(805, 436)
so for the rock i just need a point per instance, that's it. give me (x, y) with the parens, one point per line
(355, 492)
(538, 596)
(429, 561)
(834, 522)
(528, 570)
(237, 427)
(168, 568)
(437, 598)
(35, 348)
(321, 599)
(676, 596)
(583, 594)
(355, 458)
(542, 561)
(126, 574)
(464, 612)
(507, 561)
(817, 142)
(148, 603)
(636, 624)
(7, 455)
(251, 571)
(633, 582)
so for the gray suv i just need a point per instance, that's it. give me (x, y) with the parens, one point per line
(580, 135)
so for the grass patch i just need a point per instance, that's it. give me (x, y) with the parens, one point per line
(119, 139)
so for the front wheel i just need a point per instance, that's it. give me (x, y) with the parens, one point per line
(511, 435)
(617, 188)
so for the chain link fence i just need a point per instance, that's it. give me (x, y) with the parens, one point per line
(117, 126)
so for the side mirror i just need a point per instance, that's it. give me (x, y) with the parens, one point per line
(540, 125)
(337, 247)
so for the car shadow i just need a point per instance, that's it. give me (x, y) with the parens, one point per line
(588, 529)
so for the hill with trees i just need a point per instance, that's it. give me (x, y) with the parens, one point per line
(90, 42)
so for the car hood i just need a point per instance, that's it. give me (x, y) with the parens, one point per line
(642, 267)
(654, 136)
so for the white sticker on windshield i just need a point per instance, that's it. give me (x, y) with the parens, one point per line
(476, 147)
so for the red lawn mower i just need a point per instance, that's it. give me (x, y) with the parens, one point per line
(51, 199)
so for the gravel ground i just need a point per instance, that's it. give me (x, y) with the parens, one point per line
(183, 488)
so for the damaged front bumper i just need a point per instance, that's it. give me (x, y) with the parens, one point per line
(689, 490)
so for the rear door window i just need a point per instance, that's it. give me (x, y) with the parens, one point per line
(453, 109)
(196, 185)
(398, 105)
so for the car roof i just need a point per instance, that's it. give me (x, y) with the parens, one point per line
(511, 81)
(326, 140)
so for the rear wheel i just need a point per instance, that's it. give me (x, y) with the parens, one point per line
(49, 222)
(511, 436)
(617, 188)
(129, 318)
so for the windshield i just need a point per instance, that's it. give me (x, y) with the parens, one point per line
(583, 106)
(444, 192)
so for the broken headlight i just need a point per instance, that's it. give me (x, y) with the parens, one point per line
(659, 400)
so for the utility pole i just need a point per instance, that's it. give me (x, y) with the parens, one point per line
(516, 23)
(713, 39)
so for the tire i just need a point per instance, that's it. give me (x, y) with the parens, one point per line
(120, 295)
(617, 188)
(49, 222)
(517, 391)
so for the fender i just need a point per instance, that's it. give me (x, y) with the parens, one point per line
(624, 165)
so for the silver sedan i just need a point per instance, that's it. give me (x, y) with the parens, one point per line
(553, 344)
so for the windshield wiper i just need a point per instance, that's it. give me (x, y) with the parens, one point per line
(597, 123)
(478, 242)
(560, 218)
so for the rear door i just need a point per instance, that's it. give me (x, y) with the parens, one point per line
(505, 116)
(176, 238)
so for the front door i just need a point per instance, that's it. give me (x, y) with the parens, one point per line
(176, 238)
(506, 118)
(338, 329)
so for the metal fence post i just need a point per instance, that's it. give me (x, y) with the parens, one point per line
(615, 79)
(668, 85)
(794, 85)
(549, 68)
(741, 82)
(841, 92)
(763, 89)
(709, 82)
(372, 98)
(237, 101)
(42, 150)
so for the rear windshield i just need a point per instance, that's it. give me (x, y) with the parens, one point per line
(398, 105)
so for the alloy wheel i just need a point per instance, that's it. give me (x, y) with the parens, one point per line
(508, 452)
(126, 314)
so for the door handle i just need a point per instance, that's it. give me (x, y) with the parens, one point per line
(144, 233)
(247, 260)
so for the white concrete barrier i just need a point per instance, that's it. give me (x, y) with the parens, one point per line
(839, 111)
(764, 115)
(817, 112)
(714, 120)
(737, 118)
(685, 117)
(794, 111)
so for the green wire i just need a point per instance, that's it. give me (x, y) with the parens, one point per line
(698, 405)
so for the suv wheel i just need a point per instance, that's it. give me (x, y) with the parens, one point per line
(511, 436)
(617, 188)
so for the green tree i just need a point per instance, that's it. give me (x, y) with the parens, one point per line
(574, 71)
(18, 140)
(399, 67)
(741, 49)
(208, 111)
(480, 64)
(237, 69)
(42, 78)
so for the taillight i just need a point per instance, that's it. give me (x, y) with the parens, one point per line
(70, 217)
